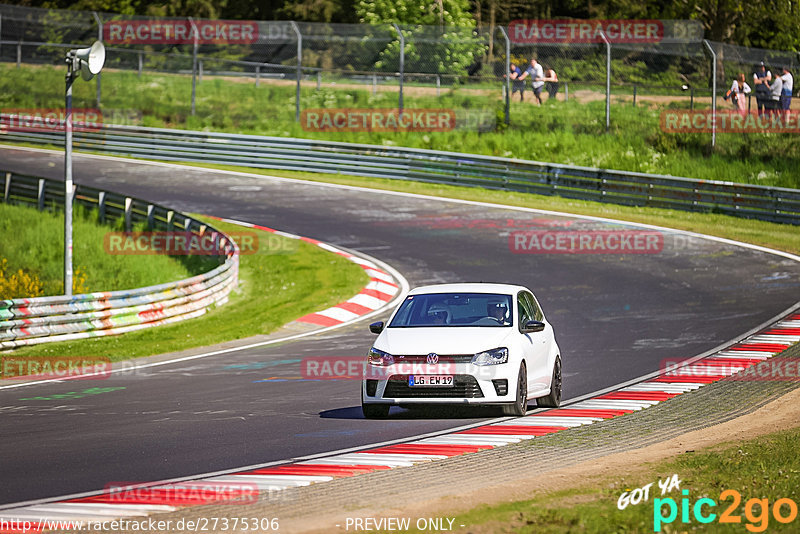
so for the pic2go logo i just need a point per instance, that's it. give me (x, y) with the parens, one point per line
(756, 511)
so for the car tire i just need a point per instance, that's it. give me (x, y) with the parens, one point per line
(375, 411)
(553, 400)
(520, 405)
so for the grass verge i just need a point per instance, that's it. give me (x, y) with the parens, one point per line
(37, 248)
(288, 280)
(560, 132)
(763, 468)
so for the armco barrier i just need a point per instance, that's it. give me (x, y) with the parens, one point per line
(61, 318)
(620, 187)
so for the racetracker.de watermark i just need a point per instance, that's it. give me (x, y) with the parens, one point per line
(531, 31)
(54, 367)
(378, 120)
(49, 119)
(357, 368)
(729, 121)
(586, 242)
(770, 370)
(180, 31)
(189, 243)
(190, 493)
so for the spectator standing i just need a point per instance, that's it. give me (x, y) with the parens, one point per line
(739, 92)
(517, 84)
(551, 83)
(761, 79)
(775, 96)
(788, 86)
(537, 79)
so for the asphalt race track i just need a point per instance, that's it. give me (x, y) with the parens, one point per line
(617, 316)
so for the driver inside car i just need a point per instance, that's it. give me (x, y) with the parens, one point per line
(497, 311)
(438, 314)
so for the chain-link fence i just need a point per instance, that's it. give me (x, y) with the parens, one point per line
(311, 66)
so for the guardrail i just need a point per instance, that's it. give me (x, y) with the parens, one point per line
(604, 185)
(31, 321)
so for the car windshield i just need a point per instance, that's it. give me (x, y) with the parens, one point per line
(454, 309)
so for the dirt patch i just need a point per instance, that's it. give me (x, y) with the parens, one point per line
(783, 413)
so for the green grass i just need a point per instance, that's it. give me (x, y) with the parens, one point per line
(37, 247)
(564, 132)
(276, 286)
(783, 237)
(764, 468)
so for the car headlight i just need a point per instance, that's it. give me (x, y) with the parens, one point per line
(491, 357)
(378, 357)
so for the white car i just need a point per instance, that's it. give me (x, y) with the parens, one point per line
(485, 344)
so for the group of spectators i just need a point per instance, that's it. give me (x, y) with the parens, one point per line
(773, 93)
(539, 78)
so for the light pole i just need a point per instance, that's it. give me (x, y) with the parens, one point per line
(87, 61)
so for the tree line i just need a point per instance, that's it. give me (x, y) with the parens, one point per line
(773, 24)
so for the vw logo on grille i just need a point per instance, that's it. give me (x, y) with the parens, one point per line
(433, 358)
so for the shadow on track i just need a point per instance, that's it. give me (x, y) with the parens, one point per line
(418, 412)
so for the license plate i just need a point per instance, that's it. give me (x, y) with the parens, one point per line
(430, 380)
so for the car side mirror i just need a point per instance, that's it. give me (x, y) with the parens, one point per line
(532, 326)
(376, 328)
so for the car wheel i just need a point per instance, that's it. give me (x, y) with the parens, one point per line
(375, 411)
(553, 400)
(520, 405)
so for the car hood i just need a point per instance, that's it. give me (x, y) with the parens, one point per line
(463, 340)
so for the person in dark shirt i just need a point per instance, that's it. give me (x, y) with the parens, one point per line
(761, 79)
(516, 82)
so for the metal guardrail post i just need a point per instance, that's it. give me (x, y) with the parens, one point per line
(128, 206)
(508, 73)
(299, 69)
(199, 71)
(566, 91)
(608, 79)
(139, 70)
(195, 36)
(40, 195)
(634, 95)
(170, 220)
(101, 206)
(7, 187)
(319, 79)
(402, 65)
(187, 223)
(438, 86)
(374, 84)
(19, 53)
(99, 38)
(713, 93)
(258, 74)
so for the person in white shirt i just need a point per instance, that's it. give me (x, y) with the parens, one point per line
(786, 96)
(536, 73)
(775, 95)
(739, 92)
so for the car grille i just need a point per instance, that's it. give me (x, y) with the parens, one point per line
(464, 386)
(443, 358)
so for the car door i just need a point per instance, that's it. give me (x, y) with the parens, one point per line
(541, 343)
(529, 340)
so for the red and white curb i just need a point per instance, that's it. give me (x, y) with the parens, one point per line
(744, 355)
(380, 290)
